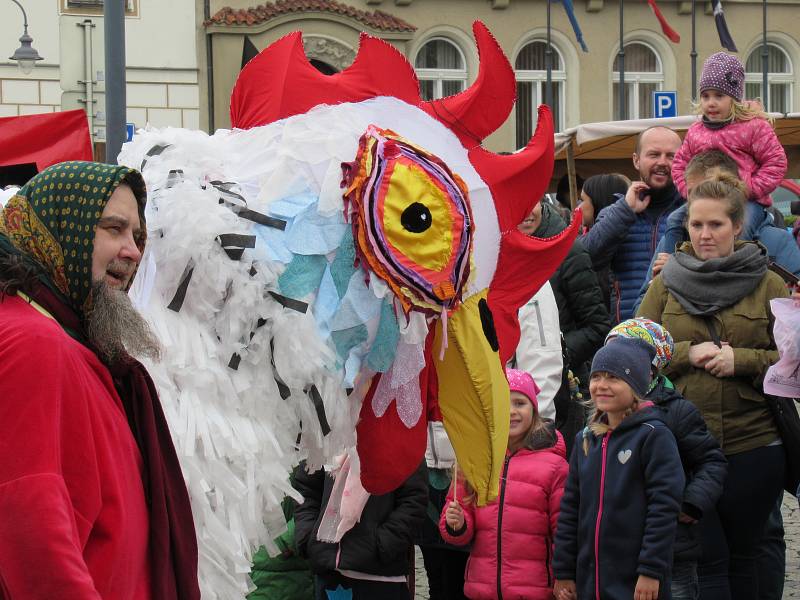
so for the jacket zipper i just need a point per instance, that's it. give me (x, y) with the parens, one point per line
(618, 300)
(542, 339)
(599, 517)
(547, 561)
(500, 528)
(654, 236)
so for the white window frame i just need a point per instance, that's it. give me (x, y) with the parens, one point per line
(440, 75)
(539, 79)
(637, 77)
(782, 78)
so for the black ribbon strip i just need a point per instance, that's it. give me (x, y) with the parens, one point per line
(261, 219)
(180, 293)
(283, 389)
(154, 151)
(235, 243)
(319, 406)
(226, 187)
(297, 305)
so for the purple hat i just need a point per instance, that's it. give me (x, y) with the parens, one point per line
(522, 382)
(723, 72)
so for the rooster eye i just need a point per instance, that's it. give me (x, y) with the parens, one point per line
(416, 218)
(411, 218)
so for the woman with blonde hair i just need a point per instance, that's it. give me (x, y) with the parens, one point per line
(713, 296)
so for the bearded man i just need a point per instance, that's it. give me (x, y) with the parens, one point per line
(92, 498)
(627, 232)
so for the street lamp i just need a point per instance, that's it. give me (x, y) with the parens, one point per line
(26, 55)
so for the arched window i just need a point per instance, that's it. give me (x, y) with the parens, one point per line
(441, 69)
(530, 68)
(644, 74)
(780, 77)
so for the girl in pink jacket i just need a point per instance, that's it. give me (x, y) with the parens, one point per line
(740, 130)
(512, 538)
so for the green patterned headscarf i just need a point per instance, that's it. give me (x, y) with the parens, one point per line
(52, 221)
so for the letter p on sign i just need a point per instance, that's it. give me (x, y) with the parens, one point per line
(665, 104)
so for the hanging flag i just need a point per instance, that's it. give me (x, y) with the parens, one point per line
(574, 22)
(673, 35)
(725, 39)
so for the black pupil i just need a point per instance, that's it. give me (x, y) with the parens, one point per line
(416, 218)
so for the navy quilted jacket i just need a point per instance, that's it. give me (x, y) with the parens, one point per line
(620, 509)
(627, 241)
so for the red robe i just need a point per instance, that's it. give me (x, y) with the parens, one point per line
(73, 516)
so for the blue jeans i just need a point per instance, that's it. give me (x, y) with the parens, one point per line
(685, 585)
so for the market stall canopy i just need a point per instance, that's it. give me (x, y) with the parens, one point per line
(607, 147)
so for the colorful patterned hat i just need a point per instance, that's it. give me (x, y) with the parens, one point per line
(652, 333)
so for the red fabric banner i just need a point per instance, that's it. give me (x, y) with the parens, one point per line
(45, 139)
(673, 35)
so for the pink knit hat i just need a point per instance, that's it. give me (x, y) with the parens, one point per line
(522, 382)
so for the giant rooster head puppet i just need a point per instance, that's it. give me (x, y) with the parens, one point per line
(339, 268)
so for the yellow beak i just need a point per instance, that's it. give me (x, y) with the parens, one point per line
(473, 397)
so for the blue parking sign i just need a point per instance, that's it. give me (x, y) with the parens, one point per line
(129, 130)
(665, 104)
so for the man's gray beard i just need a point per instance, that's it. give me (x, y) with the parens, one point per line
(115, 327)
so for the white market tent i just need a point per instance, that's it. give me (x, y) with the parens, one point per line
(596, 148)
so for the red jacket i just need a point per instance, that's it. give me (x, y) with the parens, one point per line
(752, 144)
(516, 562)
(74, 518)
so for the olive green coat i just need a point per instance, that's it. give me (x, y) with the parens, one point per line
(734, 407)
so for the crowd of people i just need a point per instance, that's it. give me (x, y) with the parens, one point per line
(643, 459)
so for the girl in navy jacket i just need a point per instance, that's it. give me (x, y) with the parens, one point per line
(622, 499)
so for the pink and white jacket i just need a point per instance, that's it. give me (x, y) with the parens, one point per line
(512, 538)
(752, 144)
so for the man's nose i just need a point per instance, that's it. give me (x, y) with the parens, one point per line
(130, 250)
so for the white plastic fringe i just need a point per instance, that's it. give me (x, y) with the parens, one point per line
(235, 435)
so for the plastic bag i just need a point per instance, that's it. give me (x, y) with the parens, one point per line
(783, 378)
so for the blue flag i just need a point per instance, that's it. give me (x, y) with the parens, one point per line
(725, 39)
(574, 22)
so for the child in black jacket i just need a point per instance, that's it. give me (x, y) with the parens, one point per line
(372, 560)
(622, 499)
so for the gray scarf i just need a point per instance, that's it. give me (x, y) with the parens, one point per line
(704, 287)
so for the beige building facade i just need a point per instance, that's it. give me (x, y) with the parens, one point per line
(435, 35)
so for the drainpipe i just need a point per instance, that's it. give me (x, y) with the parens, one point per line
(209, 67)
(88, 77)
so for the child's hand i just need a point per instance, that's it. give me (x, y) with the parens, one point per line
(454, 516)
(564, 589)
(660, 261)
(646, 588)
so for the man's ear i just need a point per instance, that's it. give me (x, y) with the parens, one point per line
(635, 161)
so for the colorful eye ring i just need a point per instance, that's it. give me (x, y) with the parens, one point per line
(411, 220)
